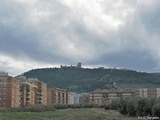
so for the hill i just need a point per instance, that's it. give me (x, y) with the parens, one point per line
(86, 80)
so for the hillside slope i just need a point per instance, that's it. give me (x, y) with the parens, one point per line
(86, 80)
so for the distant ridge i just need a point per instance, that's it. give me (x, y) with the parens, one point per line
(87, 80)
(156, 73)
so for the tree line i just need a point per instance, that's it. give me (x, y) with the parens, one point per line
(136, 106)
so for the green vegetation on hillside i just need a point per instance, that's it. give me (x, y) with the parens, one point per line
(86, 80)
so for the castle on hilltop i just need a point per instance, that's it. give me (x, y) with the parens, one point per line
(2, 73)
(77, 66)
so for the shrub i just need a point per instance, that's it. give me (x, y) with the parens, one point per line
(123, 106)
(33, 108)
(106, 106)
(114, 104)
(136, 106)
(156, 108)
(38, 108)
(131, 107)
(61, 106)
(149, 105)
(141, 106)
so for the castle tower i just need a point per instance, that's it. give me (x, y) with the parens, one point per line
(79, 65)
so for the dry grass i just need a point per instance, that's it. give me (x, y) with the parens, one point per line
(67, 114)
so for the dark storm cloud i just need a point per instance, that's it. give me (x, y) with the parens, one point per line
(136, 60)
(19, 36)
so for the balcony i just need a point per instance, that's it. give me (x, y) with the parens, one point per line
(39, 93)
(27, 103)
(27, 90)
(27, 96)
(39, 87)
(39, 97)
(27, 99)
(39, 102)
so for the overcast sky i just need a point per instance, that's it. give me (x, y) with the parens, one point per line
(109, 33)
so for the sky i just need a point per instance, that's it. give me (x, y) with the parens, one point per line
(108, 33)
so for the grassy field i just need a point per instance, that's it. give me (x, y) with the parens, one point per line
(69, 114)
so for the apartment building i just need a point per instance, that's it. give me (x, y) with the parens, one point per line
(147, 92)
(57, 95)
(74, 98)
(27, 94)
(104, 96)
(27, 91)
(20, 91)
(158, 92)
(9, 91)
(32, 91)
(40, 90)
(84, 98)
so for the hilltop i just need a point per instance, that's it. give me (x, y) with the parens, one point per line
(86, 80)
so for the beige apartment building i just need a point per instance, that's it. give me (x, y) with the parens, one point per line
(9, 91)
(104, 96)
(32, 91)
(20, 91)
(56, 95)
(27, 94)
(40, 91)
(147, 92)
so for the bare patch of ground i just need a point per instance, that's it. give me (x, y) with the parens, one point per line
(113, 113)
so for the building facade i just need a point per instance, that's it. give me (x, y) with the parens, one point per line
(104, 96)
(74, 98)
(27, 94)
(57, 96)
(20, 91)
(84, 98)
(40, 91)
(147, 92)
(9, 91)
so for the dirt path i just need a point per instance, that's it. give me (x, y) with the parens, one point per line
(113, 113)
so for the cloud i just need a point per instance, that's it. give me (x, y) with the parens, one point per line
(67, 31)
(17, 66)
